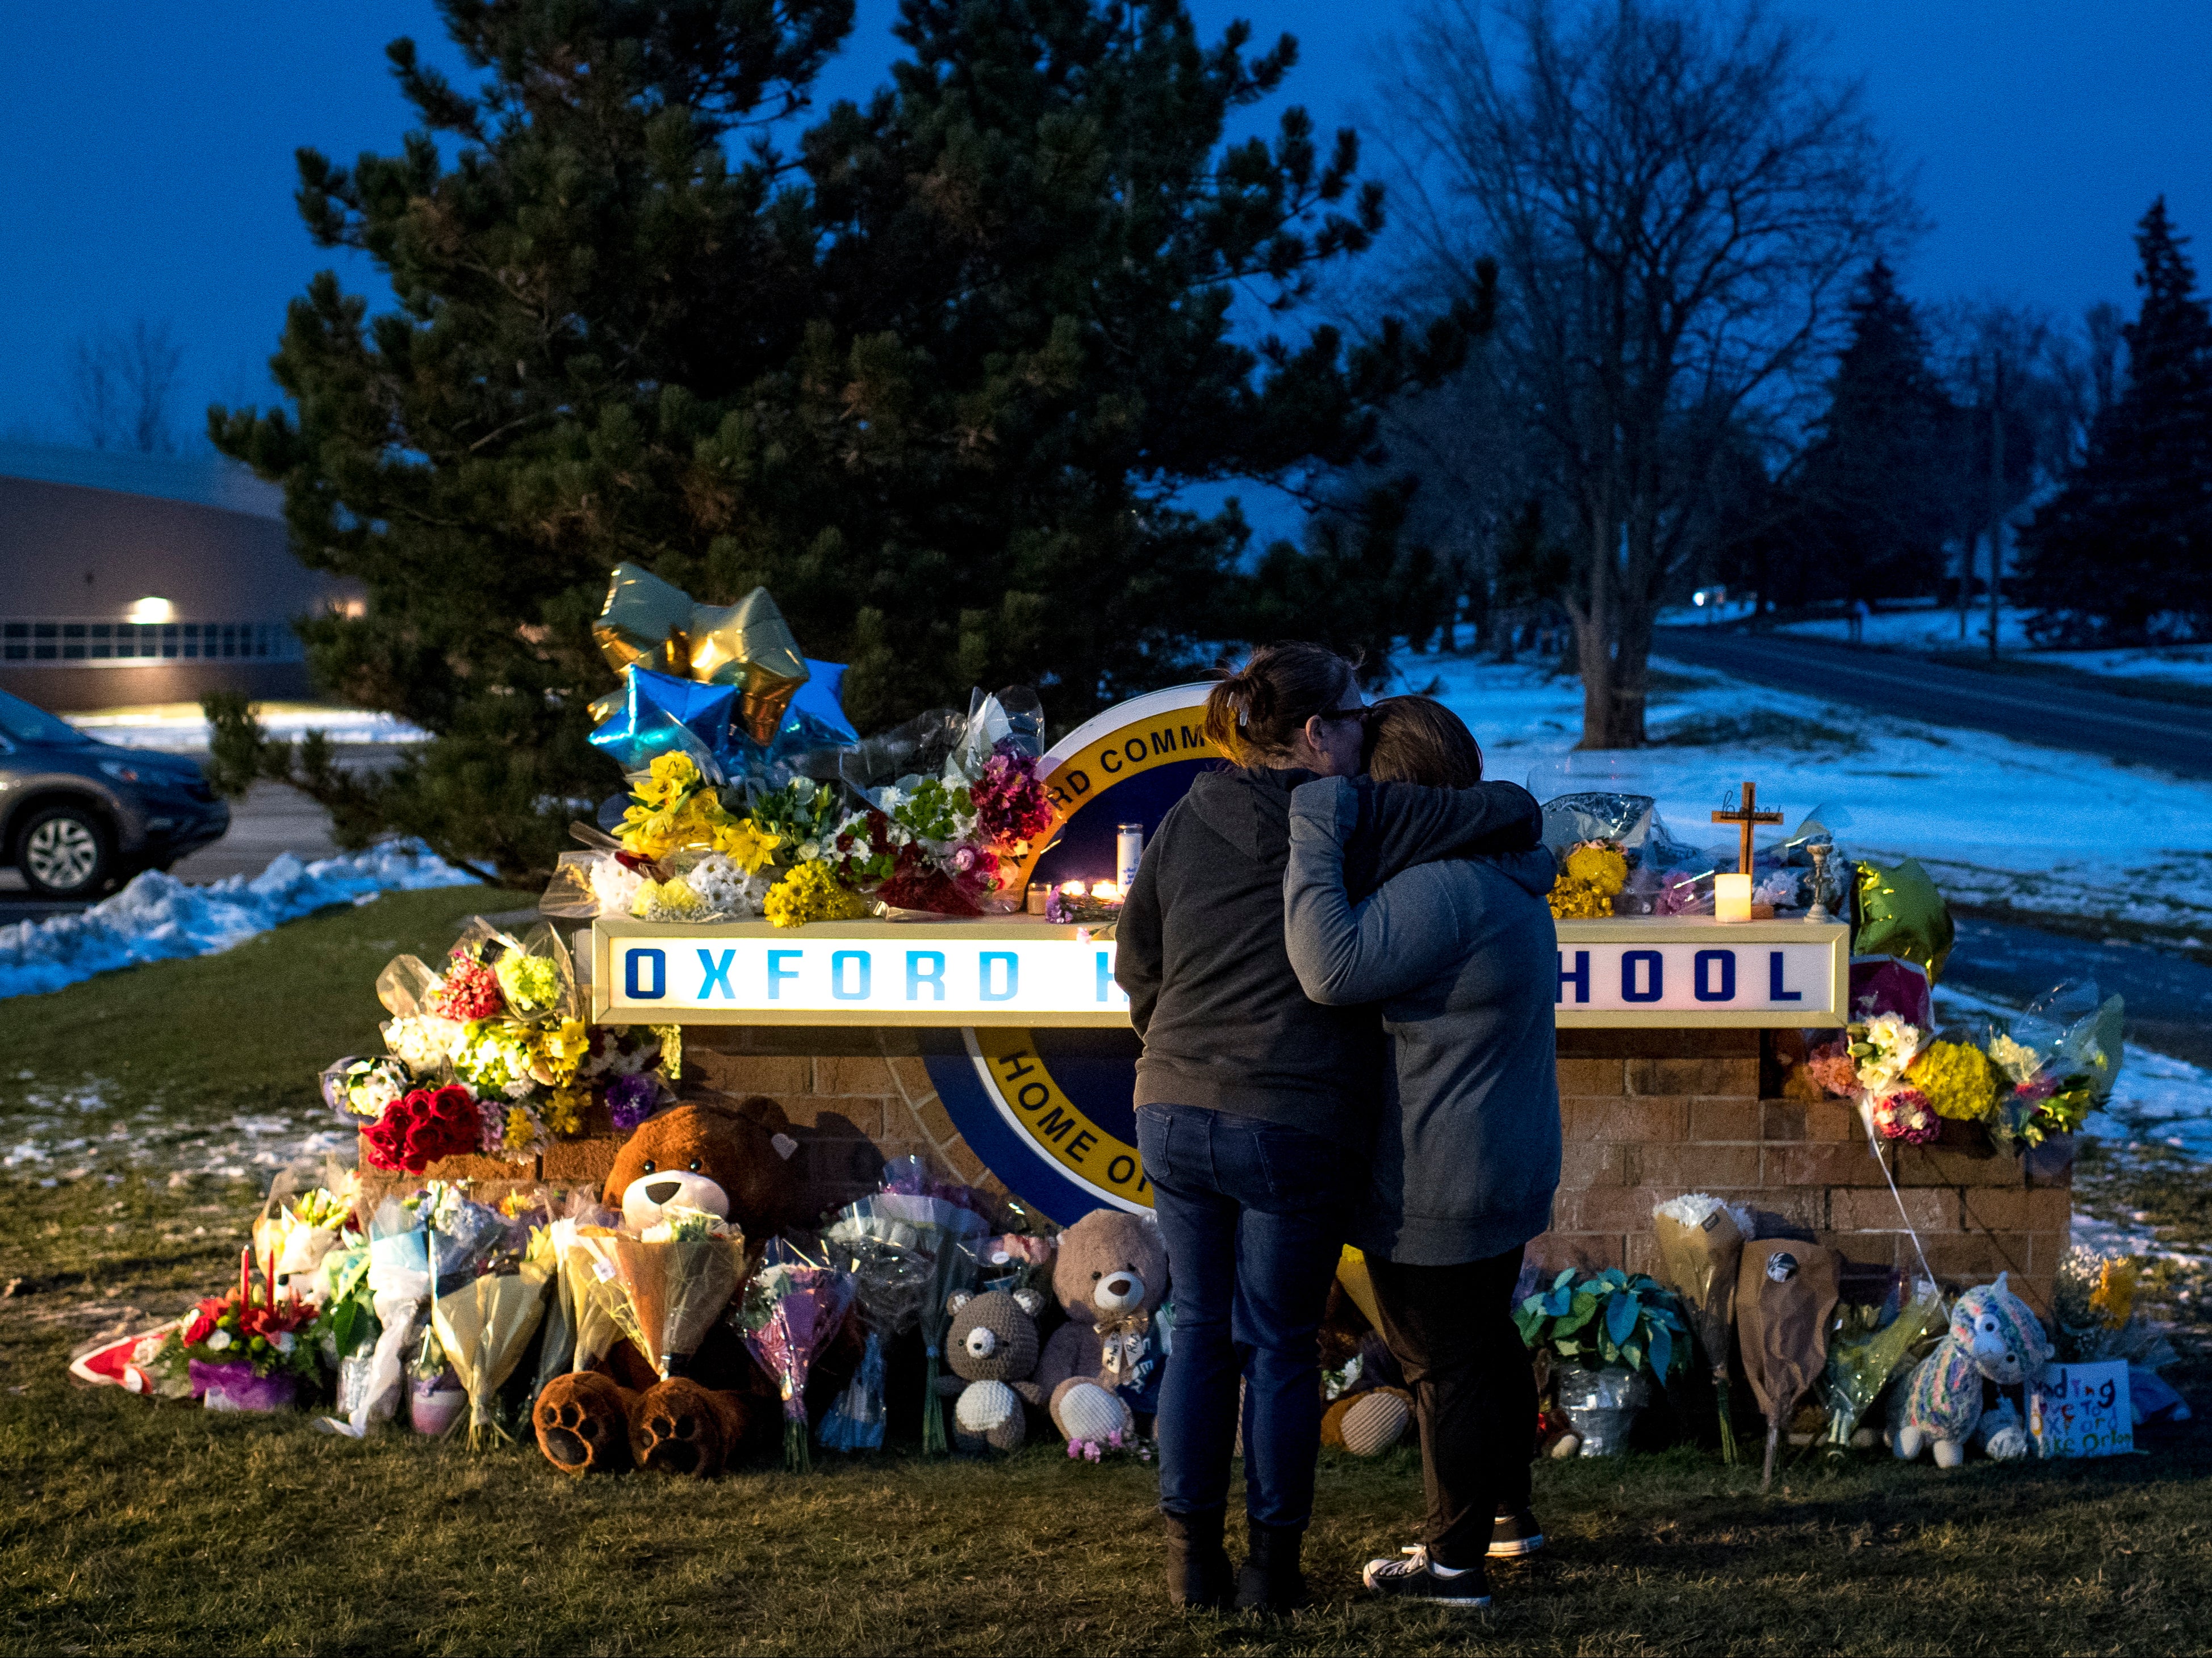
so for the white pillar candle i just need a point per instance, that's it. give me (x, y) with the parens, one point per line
(1732, 898)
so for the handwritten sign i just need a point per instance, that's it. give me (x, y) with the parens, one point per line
(2081, 1410)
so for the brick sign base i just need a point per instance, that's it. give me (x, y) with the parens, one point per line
(1648, 1114)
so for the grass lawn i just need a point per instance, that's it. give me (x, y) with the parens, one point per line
(127, 1528)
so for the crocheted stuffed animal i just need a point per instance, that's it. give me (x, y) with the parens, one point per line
(991, 1348)
(1994, 1335)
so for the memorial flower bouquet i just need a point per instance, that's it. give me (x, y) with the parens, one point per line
(918, 1216)
(1868, 1347)
(359, 1089)
(1700, 1245)
(2056, 1063)
(422, 1126)
(485, 1326)
(792, 1309)
(672, 1284)
(1591, 876)
(890, 1278)
(247, 1350)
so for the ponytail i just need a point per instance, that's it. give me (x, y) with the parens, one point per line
(1255, 715)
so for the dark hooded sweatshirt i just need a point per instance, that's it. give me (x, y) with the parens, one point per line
(1199, 948)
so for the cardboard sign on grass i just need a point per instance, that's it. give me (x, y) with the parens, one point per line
(2081, 1410)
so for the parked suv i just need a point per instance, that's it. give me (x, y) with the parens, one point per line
(78, 816)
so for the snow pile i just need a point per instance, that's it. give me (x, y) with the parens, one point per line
(180, 728)
(159, 918)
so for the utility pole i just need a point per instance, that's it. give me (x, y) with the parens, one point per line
(1996, 496)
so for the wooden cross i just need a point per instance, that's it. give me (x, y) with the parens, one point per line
(1745, 818)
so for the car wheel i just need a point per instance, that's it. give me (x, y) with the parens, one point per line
(66, 853)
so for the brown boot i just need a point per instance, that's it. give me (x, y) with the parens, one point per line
(1269, 1580)
(1198, 1566)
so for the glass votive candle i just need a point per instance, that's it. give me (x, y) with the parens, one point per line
(1731, 897)
(1039, 893)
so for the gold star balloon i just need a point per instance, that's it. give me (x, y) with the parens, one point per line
(648, 623)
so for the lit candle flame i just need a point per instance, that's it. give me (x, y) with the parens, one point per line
(1073, 888)
(1108, 891)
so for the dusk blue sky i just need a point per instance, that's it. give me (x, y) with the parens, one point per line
(146, 151)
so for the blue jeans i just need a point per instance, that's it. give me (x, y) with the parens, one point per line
(1253, 1214)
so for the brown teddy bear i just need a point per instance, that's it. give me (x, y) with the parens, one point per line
(992, 1348)
(1110, 1275)
(732, 1161)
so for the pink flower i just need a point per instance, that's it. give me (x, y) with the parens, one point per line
(1831, 1067)
(1906, 1114)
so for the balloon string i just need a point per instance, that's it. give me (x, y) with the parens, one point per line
(1874, 1148)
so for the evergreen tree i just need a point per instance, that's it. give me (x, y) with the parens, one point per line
(1868, 508)
(2130, 536)
(933, 378)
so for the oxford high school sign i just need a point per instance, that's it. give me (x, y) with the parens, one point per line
(1032, 1053)
(1023, 973)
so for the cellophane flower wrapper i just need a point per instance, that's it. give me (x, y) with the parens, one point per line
(2061, 1056)
(419, 1249)
(1861, 1363)
(951, 1235)
(359, 1089)
(1700, 1246)
(792, 1310)
(891, 1275)
(671, 1291)
(484, 1327)
(573, 1280)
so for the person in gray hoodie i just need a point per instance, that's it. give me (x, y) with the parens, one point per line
(1462, 956)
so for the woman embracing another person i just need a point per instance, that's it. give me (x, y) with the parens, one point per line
(1257, 1104)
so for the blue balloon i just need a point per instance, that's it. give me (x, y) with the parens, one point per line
(661, 715)
(816, 719)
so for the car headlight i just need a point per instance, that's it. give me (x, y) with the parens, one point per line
(120, 772)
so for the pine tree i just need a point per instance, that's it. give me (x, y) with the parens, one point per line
(933, 378)
(1869, 507)
(2129, 538)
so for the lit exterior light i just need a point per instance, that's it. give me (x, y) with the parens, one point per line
(151, 612)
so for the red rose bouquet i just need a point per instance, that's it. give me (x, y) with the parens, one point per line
(420, 1127)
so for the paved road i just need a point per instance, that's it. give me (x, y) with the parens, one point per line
(2174, 736)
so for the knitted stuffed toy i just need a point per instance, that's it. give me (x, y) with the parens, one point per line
(992, 1348)
(1994, 1335)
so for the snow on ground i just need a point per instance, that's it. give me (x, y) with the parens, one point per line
(1995, 821)
(2191, 665)
(180, 728)
(46, 1140)
(159, 918)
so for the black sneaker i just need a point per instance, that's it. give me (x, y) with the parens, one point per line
(1515, 1535)
(1412, 1578)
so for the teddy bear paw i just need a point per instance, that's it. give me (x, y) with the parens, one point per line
(681, 1427)
(583, 1422)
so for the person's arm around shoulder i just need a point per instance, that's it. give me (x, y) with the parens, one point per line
(1403, 824)
(1406, 935)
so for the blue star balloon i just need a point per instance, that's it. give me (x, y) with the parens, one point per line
(659, 713)
(816, 719)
